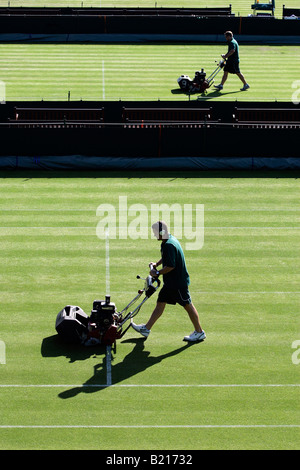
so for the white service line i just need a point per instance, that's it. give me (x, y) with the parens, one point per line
(107, 261)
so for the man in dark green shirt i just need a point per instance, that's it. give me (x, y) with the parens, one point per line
(232, 62)
(175, 283)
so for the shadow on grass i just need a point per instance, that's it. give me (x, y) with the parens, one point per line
(205, 95)
(216, 94)
(137, 361)
(54, 346)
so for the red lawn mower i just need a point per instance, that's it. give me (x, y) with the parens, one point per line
(105, 324)
(200, 83)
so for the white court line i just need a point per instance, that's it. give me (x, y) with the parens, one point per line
(147, 385)
(107, 261)
(170, 426)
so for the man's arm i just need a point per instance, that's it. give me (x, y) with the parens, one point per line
(165, 270)
(225, 56)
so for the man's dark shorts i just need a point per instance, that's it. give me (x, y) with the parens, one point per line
(174, 296)
(232, 67)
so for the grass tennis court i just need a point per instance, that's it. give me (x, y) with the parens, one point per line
(239, 389)
(239, 7)
(141, 72)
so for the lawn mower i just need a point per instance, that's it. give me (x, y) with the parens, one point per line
(105, 324)
(200, 83)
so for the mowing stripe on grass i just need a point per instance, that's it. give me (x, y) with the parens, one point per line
(91, 227)
(14, 209)
(146, 385)
(176, 426)
(49, 72)
(103, 81)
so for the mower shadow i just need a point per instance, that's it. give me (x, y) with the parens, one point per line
(135, 362)
(205, 95)
(54, 346)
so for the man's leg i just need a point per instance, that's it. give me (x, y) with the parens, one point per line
(157, 312)
(242, 78)
(194, 316)
(224, 78)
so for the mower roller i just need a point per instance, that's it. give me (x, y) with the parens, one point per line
(105, 324)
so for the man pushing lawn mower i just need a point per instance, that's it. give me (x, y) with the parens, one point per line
(232, 62)
(176, 282)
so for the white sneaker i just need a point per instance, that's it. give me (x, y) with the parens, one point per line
(195, 336)
(218, 87)
(141, 329)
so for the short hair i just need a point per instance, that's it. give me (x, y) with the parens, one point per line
(228, 33)
(161, 228)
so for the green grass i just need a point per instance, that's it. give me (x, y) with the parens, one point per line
(239, 7)
(245, 284)
(111, 72)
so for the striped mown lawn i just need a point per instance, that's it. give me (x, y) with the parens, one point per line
(239, 7)
(239, 389)
(109, 72)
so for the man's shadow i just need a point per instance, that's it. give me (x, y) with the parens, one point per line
(135, 362)
(216, 94)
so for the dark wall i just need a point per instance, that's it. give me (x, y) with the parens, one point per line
(164, 142)
(146, 24)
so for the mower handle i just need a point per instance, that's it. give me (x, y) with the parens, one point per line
(151, 266)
